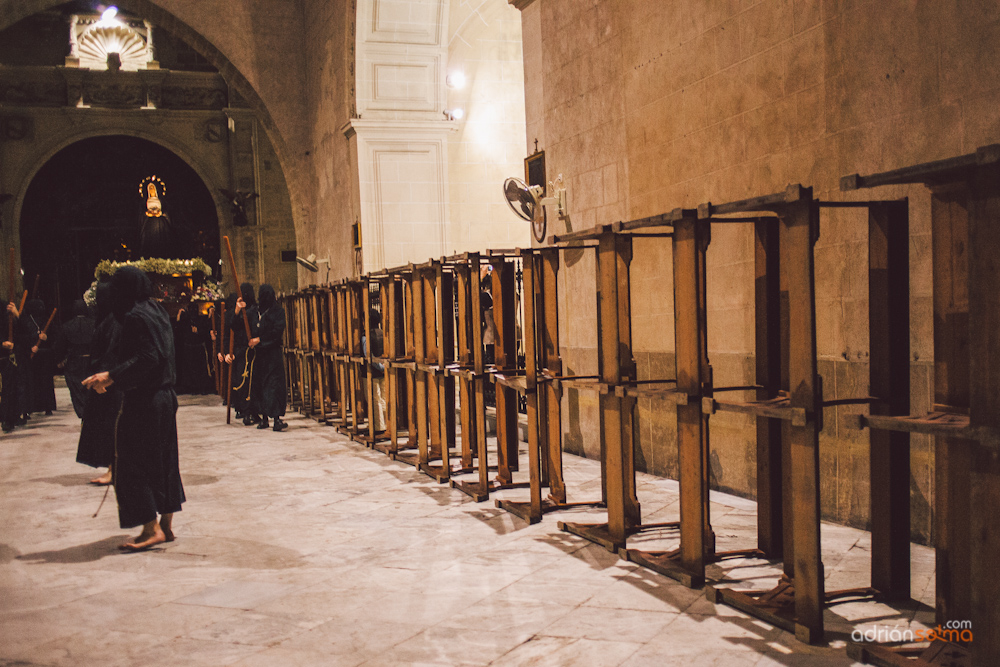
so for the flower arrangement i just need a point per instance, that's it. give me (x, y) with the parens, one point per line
(166, 267)
(207, 290)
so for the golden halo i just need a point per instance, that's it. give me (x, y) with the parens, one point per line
(160, 185)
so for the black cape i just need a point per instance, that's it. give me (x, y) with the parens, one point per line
(268, 397)
(10, 380)
(74, 348)
(37, 371)
(97, 431)
(243, 363)
(146, 471)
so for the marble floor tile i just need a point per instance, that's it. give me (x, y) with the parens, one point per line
(309, 549)
(626, 625)
(559, 651)
(238, 594)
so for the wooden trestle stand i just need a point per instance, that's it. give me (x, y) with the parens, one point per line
(786, 227)
(433, 324)
(965, 417)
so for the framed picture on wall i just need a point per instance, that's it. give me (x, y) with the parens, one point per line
(534, 170)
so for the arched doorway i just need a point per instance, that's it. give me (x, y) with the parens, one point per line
(84, 206)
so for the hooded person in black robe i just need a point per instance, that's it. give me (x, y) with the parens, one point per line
(223, 353)
(36, 351)
(268, 392)
(73, 349)
(147, 476)
(243, 356)
(192, 335)
(97, 431)
(10, 380)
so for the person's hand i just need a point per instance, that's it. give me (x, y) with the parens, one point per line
(253, 342)
(194, 330)
(8, 345)
(240, 304)
(212, 334)
(99, 382)
(221, 358)
(34, 349)
(42, 335)
(229, 358)
(12, 309)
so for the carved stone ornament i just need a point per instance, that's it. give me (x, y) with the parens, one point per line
(15, 128)
(215, 130)
(114, 94)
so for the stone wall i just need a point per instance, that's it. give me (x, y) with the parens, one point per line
(195, 136)
(485, 44)
(648, 106)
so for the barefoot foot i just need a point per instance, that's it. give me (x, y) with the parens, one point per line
(149, 537)
(103, 480)
(167, 532)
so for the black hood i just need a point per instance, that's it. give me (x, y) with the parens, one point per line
(267, 298)
(102, 297)
(34, 308)
(246, 291)
(129, 286)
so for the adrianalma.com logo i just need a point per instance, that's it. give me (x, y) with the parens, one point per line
(952, 631)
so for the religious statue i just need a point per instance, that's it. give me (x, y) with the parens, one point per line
(157, 237)
(237, 205)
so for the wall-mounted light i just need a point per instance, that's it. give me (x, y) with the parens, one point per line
(455, 80)
(454, 114)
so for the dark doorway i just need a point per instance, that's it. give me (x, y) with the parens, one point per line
(84, 206)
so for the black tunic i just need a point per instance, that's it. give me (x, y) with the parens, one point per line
(147, 476)
(74, 347)
(10, 381)
(37, 370)
(268, 397)
(244, 359)
(97, 432)
(194, 374)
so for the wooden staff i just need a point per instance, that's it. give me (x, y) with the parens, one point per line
(236, 281)
(45, 331)
(229, 381)
(215, 352)
(24, 298)
(10, 293)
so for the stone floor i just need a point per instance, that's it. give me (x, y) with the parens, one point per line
(303, 548)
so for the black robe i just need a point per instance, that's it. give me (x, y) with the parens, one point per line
(37, 371)
(74, 347)
(194, 374)
(147, 475)
(10, 381)
(268, 398)
(97, 431)
(244, 359)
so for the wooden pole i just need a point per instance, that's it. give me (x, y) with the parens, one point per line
(10, 292)
(45, 331)
(229, 380)
(215, 352)
(236, 281)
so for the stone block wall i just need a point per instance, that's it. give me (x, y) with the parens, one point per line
(648, 106)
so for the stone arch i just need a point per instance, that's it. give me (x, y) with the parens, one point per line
(167, 14)
(41, 157)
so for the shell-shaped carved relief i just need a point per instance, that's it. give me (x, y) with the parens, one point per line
(100, 40)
